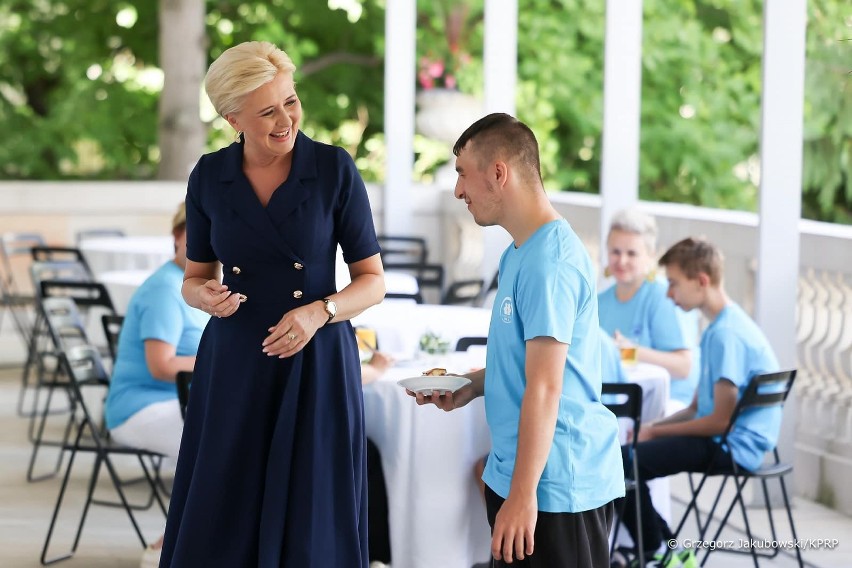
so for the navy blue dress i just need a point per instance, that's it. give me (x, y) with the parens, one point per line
(272, 466)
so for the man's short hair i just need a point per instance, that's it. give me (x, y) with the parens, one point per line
(693, 256)
(499, 136)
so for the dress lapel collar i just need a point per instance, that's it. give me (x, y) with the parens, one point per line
(240, 198)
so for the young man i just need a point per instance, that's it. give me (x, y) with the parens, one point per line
(554, 467)
(733, 350)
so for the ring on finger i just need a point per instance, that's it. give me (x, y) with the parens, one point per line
(291, 336)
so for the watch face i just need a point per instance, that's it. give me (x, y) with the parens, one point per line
(330, 308)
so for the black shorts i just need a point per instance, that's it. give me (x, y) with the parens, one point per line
(563, 540)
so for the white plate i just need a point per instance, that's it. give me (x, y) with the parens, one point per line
(427, 384)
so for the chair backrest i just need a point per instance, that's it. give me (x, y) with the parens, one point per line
(182, 382)
(99, 233)
(112, 328)
(418, 298)
(768, 390)
(464, 343)
(463, 292)
(403, 249)
(85, 294)
(14, 245)
(55, 270)
(625, 401)
(87, 373)
(46, 253)
(64, 323)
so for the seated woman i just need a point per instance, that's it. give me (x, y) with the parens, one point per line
(635, 310)
(159, 337)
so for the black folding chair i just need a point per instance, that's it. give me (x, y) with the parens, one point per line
(463, 292)
(403, 249)
(17, 300)
(37, 335)
(66, 330)
(87, 373)
(769, 390)
(625, 401)
(182, 382)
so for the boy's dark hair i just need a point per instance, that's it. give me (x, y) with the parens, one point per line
(694, 256)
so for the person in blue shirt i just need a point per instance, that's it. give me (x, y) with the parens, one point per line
(733, 350)
(635, 310)
(159, 338)
(554, 469)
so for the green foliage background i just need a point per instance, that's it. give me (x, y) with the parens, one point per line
(79, 89)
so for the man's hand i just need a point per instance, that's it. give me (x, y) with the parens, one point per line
(514, 529)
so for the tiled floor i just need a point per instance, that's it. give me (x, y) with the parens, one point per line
(108, 540)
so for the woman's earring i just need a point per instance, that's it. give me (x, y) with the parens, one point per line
(607, 272)
(652, 275)
(238, 136)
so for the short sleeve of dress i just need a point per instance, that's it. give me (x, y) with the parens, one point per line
(198, 246)
(353, 217)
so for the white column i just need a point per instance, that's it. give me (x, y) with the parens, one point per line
(622, 103)
(400, 63)
(781, 128)
(781, 173)
(500, 59)
(500, 66)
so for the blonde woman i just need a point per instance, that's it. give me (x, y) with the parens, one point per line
(635, 310)
(272, 467)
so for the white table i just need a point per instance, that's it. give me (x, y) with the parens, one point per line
(127, 253)
(437, 516)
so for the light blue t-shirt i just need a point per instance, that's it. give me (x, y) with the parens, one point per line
(612, 371)
(650, 319)
(546, 289)
(734, 348)
(156, 311)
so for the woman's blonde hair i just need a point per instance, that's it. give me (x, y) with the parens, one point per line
(638, 223)
(179, 220)
(242, 69)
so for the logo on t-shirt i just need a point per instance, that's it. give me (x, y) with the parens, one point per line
(506, 310)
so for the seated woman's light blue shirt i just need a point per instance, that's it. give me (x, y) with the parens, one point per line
(156, 311)
(546, 289)
(650, 319)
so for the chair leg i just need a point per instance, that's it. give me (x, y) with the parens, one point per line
(62, 488)
(116, 481)
(790, 518)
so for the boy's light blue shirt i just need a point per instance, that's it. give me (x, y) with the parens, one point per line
(546, 289)
(650, 319)
(734, 348)
(156, 311)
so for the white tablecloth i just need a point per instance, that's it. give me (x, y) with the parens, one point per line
(127, 253)
(437, 516)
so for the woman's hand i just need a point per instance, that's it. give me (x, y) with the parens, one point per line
(215, 299)
(294, 331)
